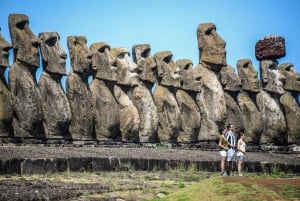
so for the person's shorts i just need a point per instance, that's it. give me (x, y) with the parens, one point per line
(230, 154)
(223, 153)
(241, 158)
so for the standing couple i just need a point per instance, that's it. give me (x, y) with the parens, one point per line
(227, 143)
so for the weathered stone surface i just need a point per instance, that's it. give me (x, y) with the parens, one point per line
(272, 116)
(56, 107)
(127, 78)
(232, 85)
(106, 109)
(289, 101)
(165, 97)
(78, 91)
(186, 98)
(271, 80)
(6, 109)
(248, 75)
(26, 96)
(270, 47)
(211, 46)
(141, 94)
(251, 117)
(211, 101)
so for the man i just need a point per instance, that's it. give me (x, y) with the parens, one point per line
(231, 151)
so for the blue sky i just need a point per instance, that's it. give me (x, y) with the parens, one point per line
(164, 24)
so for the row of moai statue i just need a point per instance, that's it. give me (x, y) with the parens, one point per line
(187, 105)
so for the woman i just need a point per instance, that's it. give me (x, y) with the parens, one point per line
(223, 144)
(241, 147)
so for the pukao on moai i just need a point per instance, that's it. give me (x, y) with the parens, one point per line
(26, 96)
(141, 94)
(186, 94)
(127, 79)
(290, 101)
(168, 80)
(267, 51)
(78, 90)
(106, 108)
(56, 107)
(6, 109)
(231, 83)
(247, 101)
(211, 99)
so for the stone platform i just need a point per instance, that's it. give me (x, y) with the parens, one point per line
(41, 159)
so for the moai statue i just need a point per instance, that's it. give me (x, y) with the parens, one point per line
(6, 109)
(26, 96)
(247, 101)
(211, 99)
(231, 83)
(127, 79)
(267, 51)
(141, 94)
(290, 102)
(78, 90)
(168, 80)
(106, 108)
(56, 107)
(190, 86)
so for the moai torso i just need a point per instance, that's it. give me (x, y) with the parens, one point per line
(78, 91)
(127, 78)
(6, 110)
(26, 96)
(106, 109)
(56, 107)
(272, 114)
(186, 98)
(247, 101)
(211, 99)
(141, 94)
(232, 86)
(165, 97)
(289, 101)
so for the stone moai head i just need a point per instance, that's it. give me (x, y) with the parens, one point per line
(4, 49)
(80, 56)
(211, 45)
(53, 56)
(126, 68)
(248, 75)
(271, 79)
(267, 51)
(292, 78)
(168, 73)
(25, 43)
(230, 80)
(188, 79)
(103, 62)
(146, 64)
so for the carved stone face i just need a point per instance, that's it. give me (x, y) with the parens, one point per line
(4, 48)
(248, 75)
(168, 72)
(81, 58)
(211, 45)
(271, 79)
(103, 62)
(230, 80)
(292, 78)
(53, 56)
(146, 64)
(25, 43)
(126, 68)
(188, 78)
